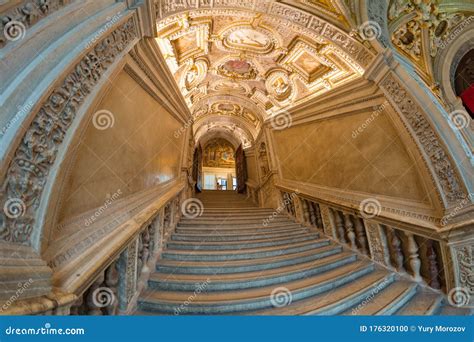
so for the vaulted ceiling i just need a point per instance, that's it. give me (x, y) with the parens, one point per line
(239, 63)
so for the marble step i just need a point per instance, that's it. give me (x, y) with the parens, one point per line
(238, 231)
(213, 236)
(225, 203)
(240, 245)
(252, 299)
(254, 253)
(237, 211)
(385, 301)
(447, 310)
(238, 266)
(232, 217)
(240, 281)
(232, 221)
(342, 295)
(231, 225)
(424, 303)
(236, 218)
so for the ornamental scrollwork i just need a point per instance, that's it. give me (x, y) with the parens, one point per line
(28, 171)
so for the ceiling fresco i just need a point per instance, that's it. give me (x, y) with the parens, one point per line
(238, 67)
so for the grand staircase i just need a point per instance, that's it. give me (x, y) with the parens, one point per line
(237, 258)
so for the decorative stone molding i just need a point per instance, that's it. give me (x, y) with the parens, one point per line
(414, 119)
(17, 20)
(463, 259)
(23, 275)
(420, 30)
(131, 271)
(378, 244)
(394, 208)
(33, 159)
(328, 225)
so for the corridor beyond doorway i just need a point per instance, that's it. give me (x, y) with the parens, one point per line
(218, 165)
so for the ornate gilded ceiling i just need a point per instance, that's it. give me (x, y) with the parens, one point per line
(238, 63)
(419, 30)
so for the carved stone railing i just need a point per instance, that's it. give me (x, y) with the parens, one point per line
(116, 289)
(422, 257)
(252, 191)
(107, 277)
(288, 203)
(397, 249)
(263, 193)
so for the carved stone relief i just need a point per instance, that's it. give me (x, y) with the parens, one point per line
(131, 271)
(419, 29)
(465, 267)
(327, 223)
(377, 243)
(15, 22)
(29, 169)
(426, 137)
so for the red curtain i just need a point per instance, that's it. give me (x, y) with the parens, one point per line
(468, 99)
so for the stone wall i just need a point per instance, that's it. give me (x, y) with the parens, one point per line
(132, 149)
(360, 152)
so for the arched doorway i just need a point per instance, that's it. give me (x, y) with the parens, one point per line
(218, 165)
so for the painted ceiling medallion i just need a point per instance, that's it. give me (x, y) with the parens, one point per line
(237, 69)
(248, 39)
(225, 108)
(195, 74)
(278, 85)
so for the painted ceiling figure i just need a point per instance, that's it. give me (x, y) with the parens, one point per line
(219, 153)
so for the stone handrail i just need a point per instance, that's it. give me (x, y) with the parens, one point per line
(107, 277)
(427, 258)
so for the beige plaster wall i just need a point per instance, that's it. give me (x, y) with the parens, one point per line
(328, 153)
(137, 152)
